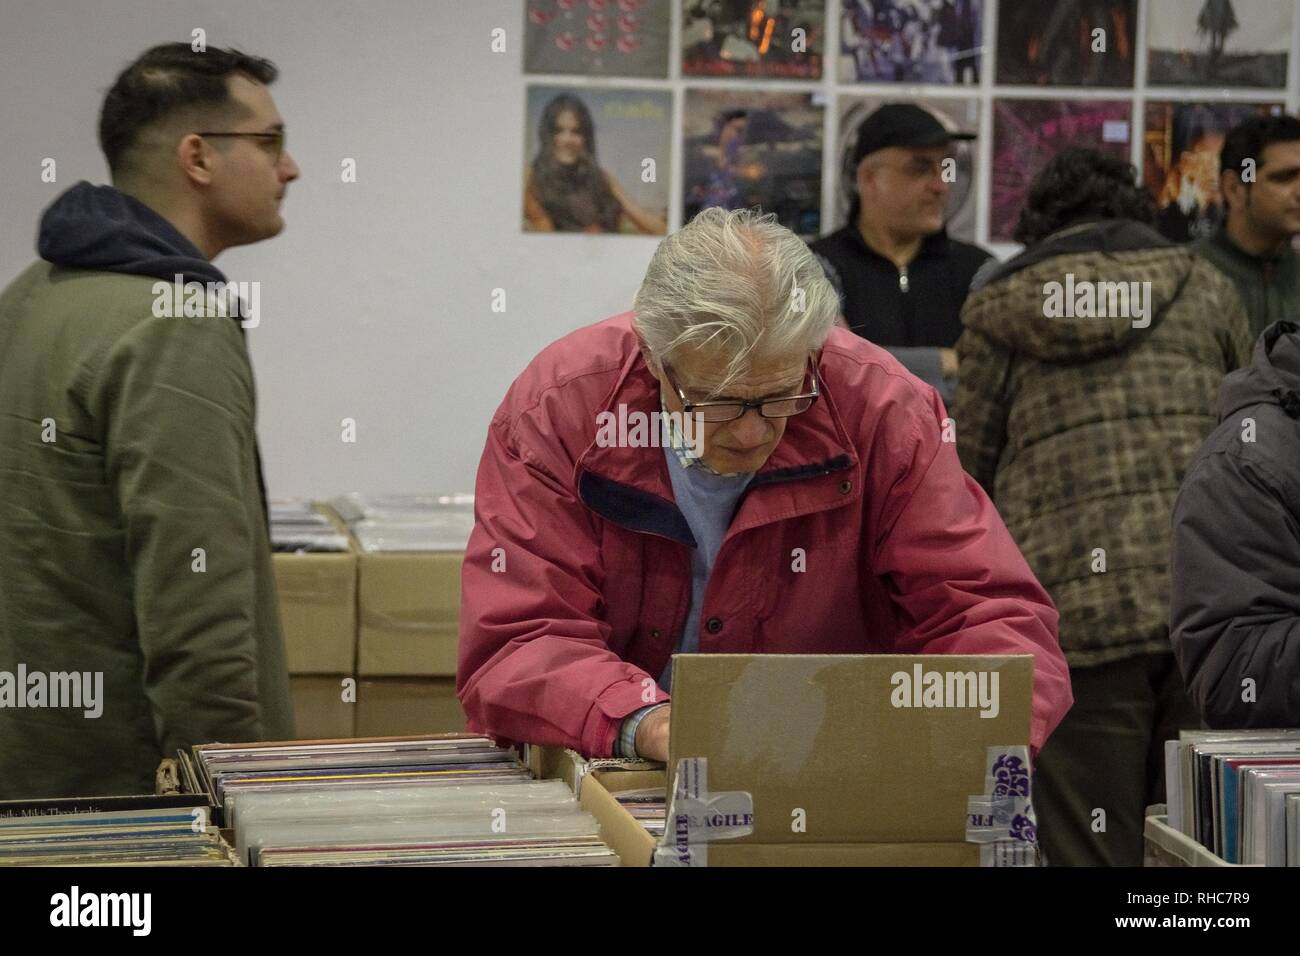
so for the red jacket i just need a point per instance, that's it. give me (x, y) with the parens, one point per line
(577, 577)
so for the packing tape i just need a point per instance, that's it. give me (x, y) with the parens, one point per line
(696, 817)
(1002, 818)
(409, 621)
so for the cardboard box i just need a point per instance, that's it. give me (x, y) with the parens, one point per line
(839, 743)
(319, 710)
(318, 606)
(408, 613)
(635, 846)
(387, 708)
(625, 835)
(561, 763)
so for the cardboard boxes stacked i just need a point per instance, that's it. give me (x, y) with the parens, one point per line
(316, 580)
(371, 631)
(410, 550)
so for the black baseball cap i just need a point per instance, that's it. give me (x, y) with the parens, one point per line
(901, 124)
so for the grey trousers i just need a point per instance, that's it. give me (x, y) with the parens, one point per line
(1108, 755)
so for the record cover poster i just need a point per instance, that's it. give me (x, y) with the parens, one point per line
(957, 115)
(1028, 133)
(1180, 161)
(1057, 43)
(911, 41)
(774, 39)
(597, 37)
(1218, 43)
(754, 149)
(596, 160)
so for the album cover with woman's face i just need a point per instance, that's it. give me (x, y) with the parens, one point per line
(956, 115)
(1180, 161)
(1028, 133)
(751, 149)
(782, 39)
(911, 41)
(597, 37)
(1067, 42)
(596, 160)
(1218, 42)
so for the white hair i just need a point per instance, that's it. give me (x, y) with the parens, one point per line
(737, 282)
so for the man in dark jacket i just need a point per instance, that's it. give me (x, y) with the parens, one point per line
(1235, 605)
(1090, 364)
(1259, 175)
(137, 603)
(901, 279)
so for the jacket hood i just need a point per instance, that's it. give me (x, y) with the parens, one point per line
(1080, 293)
(102, 228)
(1272, 377)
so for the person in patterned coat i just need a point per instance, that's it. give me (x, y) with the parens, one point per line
(1090, 366)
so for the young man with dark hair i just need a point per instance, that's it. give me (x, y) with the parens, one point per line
(901, 279)
(1259, 176)
(133, 535)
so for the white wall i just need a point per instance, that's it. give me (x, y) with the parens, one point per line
(376, 298)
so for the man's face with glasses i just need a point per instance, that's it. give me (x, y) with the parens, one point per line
(903, 189)
(251, 169)
(738, 438)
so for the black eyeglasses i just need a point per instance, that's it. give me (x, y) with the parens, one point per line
(276, 139)
(729, 409)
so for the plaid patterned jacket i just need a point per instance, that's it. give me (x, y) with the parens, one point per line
(1079, 424)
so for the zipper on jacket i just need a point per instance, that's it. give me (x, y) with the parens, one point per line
(902, 278)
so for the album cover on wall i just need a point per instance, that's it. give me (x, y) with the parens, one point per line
(754, 149)
(911, 41)
(597, 37)
(1218, 43)
(1028, 133)
(957, 115)
(597, 160)
(782, 39)
(1180, 161)
(1067, 42)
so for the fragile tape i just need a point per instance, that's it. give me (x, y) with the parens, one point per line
(1002, 819)
(696, 817)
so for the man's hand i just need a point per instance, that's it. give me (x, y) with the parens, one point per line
(652, 735)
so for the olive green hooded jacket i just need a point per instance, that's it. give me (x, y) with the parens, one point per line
(134, 552)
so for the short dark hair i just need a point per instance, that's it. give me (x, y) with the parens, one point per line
(1247, 140)
(165, 81)
(1082, 184)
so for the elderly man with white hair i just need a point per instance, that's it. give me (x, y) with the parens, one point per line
(723, 470)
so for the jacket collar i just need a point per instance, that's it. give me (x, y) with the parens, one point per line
(1221, 239)
(631, 486)
(932, 246)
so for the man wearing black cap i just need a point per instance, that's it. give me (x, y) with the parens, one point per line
(902, 280)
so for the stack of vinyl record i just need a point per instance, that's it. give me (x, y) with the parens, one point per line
(111, 831)
(649, 806)
(408, 522)
(453, 800)
(296, 526)
(1237, 792)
